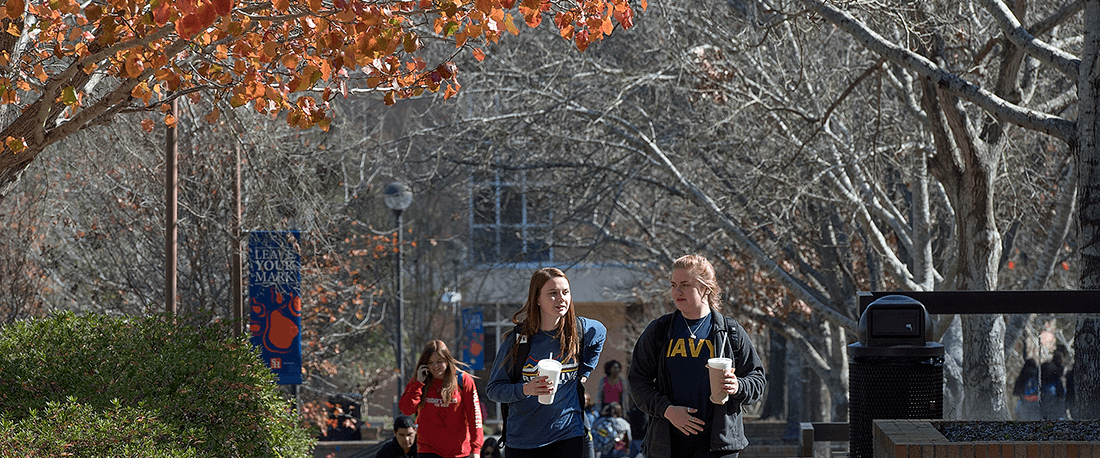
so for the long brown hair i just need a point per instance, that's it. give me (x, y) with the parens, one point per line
(450, 375)
(530, 317)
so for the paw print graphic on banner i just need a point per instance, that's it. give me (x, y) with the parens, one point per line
(277, 317)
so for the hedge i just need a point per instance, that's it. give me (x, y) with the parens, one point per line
(104, 386)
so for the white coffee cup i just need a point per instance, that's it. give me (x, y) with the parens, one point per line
(551, 369)
(718, 367)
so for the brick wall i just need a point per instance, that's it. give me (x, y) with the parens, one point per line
(920, 439)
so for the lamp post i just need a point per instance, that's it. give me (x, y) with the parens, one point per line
(398, 196)
(454, 297)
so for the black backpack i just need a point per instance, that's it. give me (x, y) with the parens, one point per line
(523, 350)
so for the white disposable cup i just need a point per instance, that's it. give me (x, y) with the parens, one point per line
(718, 367)
(551, 369)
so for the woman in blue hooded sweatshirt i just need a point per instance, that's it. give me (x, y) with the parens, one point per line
(549, 326)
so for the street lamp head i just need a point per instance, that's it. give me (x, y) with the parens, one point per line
(398, 196)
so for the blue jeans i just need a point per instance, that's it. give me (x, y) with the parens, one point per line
(564, 448)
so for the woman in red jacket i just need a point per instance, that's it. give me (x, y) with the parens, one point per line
(444, 400)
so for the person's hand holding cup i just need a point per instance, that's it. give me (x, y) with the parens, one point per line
(551, 369)
(537, 386)
(721, 385)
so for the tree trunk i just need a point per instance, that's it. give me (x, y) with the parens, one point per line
(954, 391)
(983, 335)
(1086, 360)
(966, 167)
(774, 404)
(795, 394)
(839, 383)
(1087, 340)
(984, 361)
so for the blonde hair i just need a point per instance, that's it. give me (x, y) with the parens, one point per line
(699, 267)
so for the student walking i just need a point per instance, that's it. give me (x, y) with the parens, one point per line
(444, 400)
(669, 379)
(547, 328)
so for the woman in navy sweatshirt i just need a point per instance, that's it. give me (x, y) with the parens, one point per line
(548, 327)
(669, 379)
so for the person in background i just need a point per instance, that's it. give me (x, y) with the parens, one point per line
(444, 400)
(590, 410)
(612, 386)
(1052, 394)
(490, 449)
(549, 325)
(1026, 389)
(611, 433)
(403, 444)
(669, 379)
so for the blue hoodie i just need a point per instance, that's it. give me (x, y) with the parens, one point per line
(531, 424)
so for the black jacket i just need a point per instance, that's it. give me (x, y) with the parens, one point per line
(650, 384)
(391, 450)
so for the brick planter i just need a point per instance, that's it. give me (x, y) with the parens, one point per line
(921, 439)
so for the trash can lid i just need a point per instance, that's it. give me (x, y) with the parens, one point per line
(895, 320)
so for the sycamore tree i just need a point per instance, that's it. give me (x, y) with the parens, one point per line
(806, 164)
(888, 132)
(968, 111)
(66, 66)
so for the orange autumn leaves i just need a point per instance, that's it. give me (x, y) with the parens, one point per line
(275, 56)
(195, 16)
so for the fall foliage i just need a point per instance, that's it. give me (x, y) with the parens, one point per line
(64, 67)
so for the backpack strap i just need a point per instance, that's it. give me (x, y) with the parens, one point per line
(580, 386)
(515, 374)
(523, 349)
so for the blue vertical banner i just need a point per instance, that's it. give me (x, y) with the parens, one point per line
(473, 339)
(275, 302)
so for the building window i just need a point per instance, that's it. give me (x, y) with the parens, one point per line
(509, 220)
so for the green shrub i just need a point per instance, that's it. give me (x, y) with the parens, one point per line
(102, 386)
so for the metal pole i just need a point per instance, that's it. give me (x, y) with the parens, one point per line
(455, 310)
(237, 261)
(171, 202)
(400, 312)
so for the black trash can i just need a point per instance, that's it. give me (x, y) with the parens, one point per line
(894, 372)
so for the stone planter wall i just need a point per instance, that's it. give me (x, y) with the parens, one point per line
(920, 439)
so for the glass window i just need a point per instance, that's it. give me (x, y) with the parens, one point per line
(538, 207)
(510, 219)
(483, 205)
(511, 206)
(511, 245)
(484, 242)
(538, 244)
